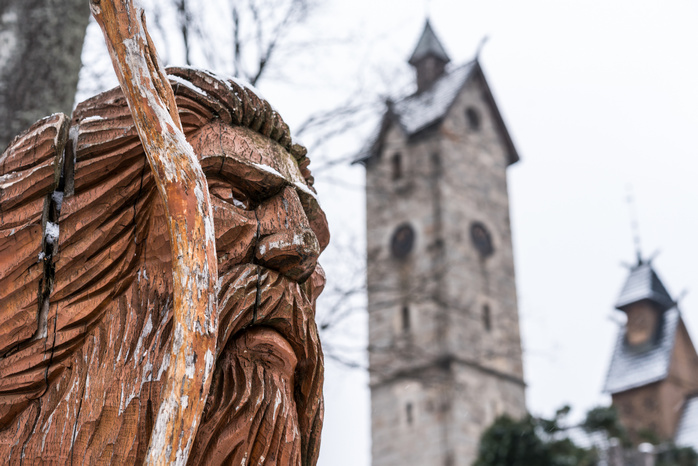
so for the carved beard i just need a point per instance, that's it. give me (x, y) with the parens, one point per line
(265, 403)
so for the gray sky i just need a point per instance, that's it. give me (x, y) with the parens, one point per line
(598, 96)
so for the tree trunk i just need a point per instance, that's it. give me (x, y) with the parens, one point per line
(40, 47)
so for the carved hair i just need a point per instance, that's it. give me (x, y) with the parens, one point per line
(203, 96)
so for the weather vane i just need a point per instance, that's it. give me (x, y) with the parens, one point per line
(480, 46)
(634, 224)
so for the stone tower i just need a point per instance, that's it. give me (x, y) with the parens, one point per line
(444, 346)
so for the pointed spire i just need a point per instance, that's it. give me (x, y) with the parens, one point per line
(429, 59)
(428, 45)
(644, 284)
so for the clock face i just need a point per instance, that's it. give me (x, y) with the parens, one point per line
(482, 239)
(402, 241)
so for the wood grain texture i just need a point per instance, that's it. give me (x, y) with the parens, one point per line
(88, 329)
(184, 191)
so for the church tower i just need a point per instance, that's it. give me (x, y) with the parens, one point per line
(653, 375)
(444, 345)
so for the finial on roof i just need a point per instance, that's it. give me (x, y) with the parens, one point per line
(429, 58)
(428, 45)
(480, 46)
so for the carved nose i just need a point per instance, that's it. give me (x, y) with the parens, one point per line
(286, 241)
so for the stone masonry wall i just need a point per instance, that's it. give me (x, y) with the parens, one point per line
(439, 373)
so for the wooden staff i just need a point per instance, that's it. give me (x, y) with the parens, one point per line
(184, 192)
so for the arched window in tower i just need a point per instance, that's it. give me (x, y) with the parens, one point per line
(402, 241)
(406, 324)
(396, 166)
(482, 239)
(486, 317)
(473, 118)
(408, 414)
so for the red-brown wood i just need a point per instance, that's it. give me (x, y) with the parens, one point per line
(184, 192)
(89, 306)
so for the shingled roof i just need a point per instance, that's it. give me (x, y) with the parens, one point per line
(643, 283)
(636, 366)
(419, 111)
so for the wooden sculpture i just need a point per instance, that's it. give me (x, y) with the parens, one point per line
(158, 275)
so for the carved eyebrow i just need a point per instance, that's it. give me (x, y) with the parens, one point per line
(249, 172)
(242, 175)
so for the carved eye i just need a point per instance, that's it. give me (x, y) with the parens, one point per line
(231, 195)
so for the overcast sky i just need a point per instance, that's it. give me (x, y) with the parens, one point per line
(598, 96)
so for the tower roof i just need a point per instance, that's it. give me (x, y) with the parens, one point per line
(636, 367)
(428, 45)
(643, 283)
(631, 366)
(420, 111)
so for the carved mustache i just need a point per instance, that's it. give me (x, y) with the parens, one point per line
(254, 295)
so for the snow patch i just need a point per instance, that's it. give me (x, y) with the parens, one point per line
(268, 169)
(92, 118)
(187, 84)
(164, 366)
(51, 233)
(208, 361)
(147, 328)
(303, 187)
(249, 87)
(189, 365)
(14, 177)
(57, 197)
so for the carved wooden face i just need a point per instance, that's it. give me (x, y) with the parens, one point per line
(269, 234)
(255, 183)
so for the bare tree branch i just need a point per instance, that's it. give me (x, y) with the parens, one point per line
(184, 18)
